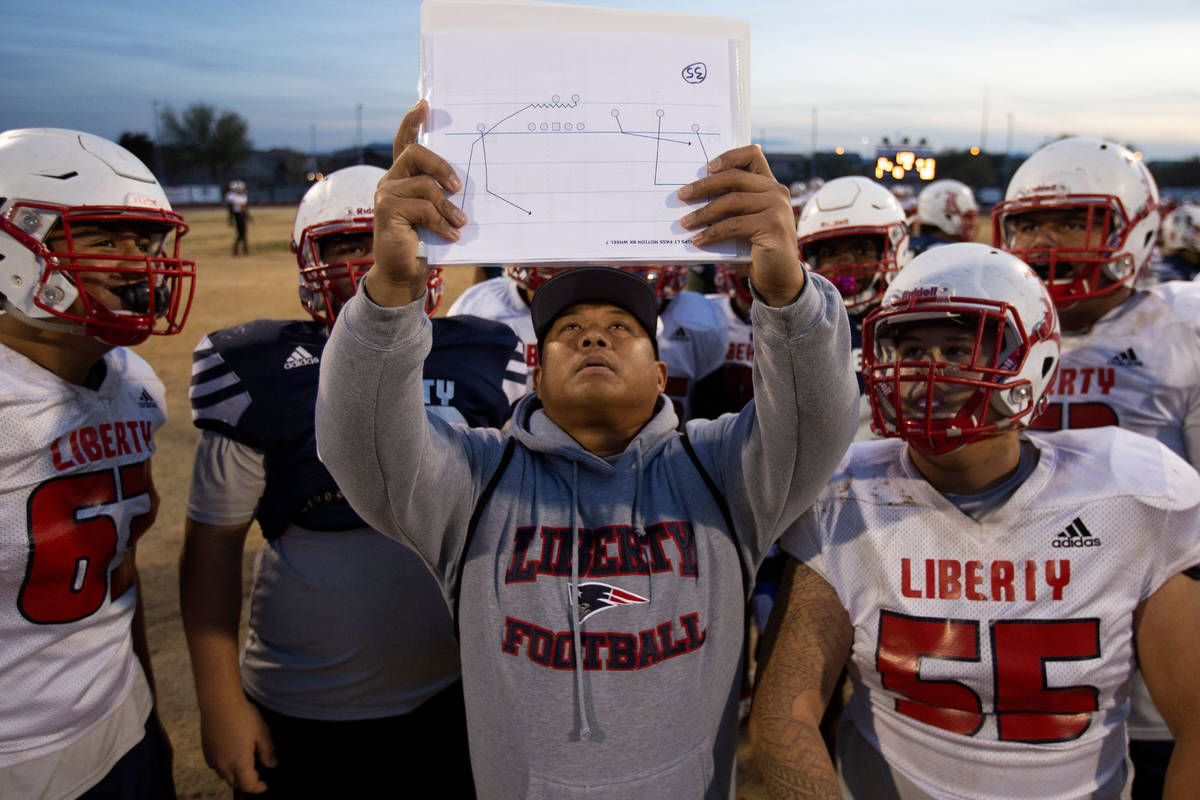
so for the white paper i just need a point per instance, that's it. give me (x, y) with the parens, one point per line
(571, 144)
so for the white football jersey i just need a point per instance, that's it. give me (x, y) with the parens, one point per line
(741, 333)
(993, 658)
(499, 299)
(692, 339)
(75, 493)
(1138, 367)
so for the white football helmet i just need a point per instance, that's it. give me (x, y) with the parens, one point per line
(856, 206)
(731, 283)
(950, 206)
(1181, 229)
(341, 203)
(1119, 197)
(999, 300)
(667, 280)
(530, 276)
(59, 182)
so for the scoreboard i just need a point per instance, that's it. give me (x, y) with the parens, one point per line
(905, 163)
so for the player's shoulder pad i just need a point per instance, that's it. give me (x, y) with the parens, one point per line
(484, 298)
(232, 364)
(131, 366)
(870, 472)
(1182, 298)
(1112, 461)
(135, 370)
(693, 311)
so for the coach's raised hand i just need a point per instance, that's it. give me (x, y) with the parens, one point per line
(411, 195)
(746, 202)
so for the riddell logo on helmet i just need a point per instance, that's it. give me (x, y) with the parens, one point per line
(1047, 188)
(938, 293)
(134, 199)
(835, 223)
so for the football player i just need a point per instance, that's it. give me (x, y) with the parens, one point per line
(730, 387)
(1181, 244)
(1084, 214)
(691, 334)
(351, 667)
(992, 590)
(946, 212)
(89, 264)
(853, 231)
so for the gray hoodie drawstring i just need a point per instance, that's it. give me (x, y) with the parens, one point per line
(639, 532)
(585, 730)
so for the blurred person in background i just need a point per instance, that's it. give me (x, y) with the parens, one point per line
(946, 212)
(237, 201)
(854, 232)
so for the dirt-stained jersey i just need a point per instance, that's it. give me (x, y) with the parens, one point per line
(499, 299)
(993, 658)
(257, 384)
(75, 494)
(1138, 367)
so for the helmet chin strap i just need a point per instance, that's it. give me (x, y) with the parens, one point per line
(72, 328)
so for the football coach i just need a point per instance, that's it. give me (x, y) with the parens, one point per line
(597, 560)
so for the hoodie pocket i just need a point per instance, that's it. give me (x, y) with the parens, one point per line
(688, 776)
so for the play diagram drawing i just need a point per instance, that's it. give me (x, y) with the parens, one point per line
(570, 147)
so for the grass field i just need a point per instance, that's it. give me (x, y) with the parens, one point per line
(228, 291)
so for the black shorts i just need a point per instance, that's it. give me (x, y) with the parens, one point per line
(349, 758)
(144, 773)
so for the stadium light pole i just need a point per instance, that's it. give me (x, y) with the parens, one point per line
(983, 122)
(358, 112)
(1008, 149)
(157, 142)
(812, 157)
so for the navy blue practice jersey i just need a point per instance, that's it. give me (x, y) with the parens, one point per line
(257, 384)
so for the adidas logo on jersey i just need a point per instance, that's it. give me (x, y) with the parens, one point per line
(1076, 535)
(146, 401)
(1126, 358)
(300, 358)
(680, 335)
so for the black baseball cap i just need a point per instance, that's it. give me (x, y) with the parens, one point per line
(577, 285)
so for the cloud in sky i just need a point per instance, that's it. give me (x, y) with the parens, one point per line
(872, 69)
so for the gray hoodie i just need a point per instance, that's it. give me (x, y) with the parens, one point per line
(655, 602)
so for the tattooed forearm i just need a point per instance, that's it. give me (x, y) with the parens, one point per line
(807, 642)
(793, 760)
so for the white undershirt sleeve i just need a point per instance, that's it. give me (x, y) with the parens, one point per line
(228, 478)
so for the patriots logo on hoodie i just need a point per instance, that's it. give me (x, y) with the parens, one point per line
(595, 597)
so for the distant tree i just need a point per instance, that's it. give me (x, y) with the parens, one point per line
(1184, 173)
(140, 144)
(974, 170)
(203, 138)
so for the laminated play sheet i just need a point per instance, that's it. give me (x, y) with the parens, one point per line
(572, 128)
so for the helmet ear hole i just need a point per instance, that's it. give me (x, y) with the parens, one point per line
(1047, 366)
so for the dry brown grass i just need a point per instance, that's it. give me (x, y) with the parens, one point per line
(228, 291)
